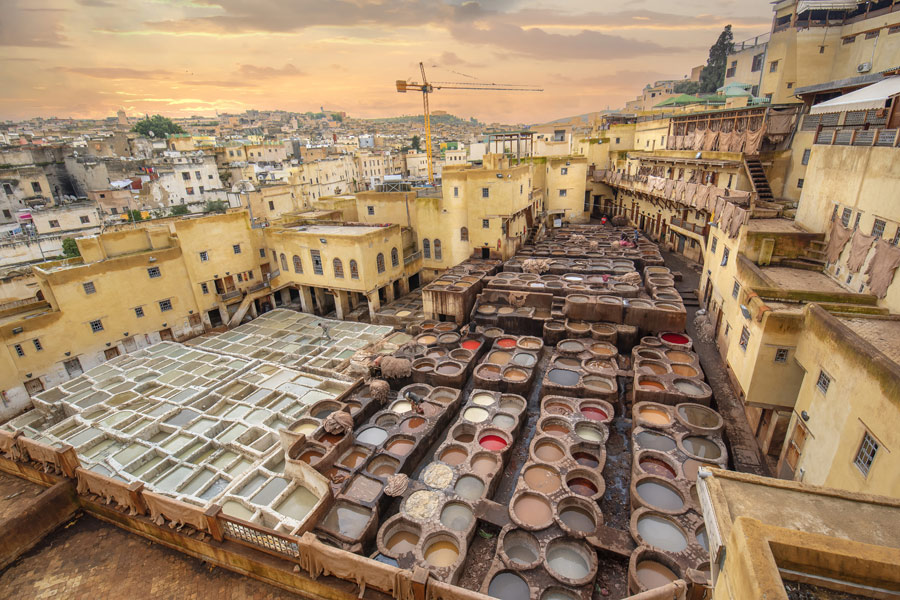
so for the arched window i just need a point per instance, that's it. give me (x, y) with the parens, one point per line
(464, 234)
(338, 268)
(437, 249)
(426, 248)
(354, 270)
(379, 262)
(283, 263)
(395, 258)
(298, 266)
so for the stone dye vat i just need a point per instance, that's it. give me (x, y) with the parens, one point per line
(667, 374)
(443, 358)
(453, 294)
(509, 364)
(583, 368)
(670, 444)
(436, 520)
(392, 441)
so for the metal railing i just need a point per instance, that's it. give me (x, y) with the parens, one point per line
(412, 257)
(268, 540)
(692, 227)
(884, 138)
(229, 295)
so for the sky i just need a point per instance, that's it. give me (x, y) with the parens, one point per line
(90, 58)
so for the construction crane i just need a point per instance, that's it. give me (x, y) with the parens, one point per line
(427, 88)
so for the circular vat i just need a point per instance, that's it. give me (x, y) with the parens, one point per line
(676, 339)
(483, 464)
(653, 415)
(521, 548)
(584, 483)
(486, 309)
(471, 346)
(598, 384)
(412, 424)
(457, 516)
(691, 467)
(656, 463)
(400, 445)
(654, 441)
(524, 359)
(650, 569)
(650, 384)
(558, 593)
(374, 436)
(570, 561)
(684, 370)
(661, 532)
(322, 409)
(507, 585)
(461, 355)
(655, 493)
(440, 550)
(516, 374)
(476, 414)
(588, 456)
(401, 406)
(701, 447)
(424, 365)
(680, 356)
(530, 343)
(494, 440)
(591, 432)
(469, 487)
(449, 368)
(555, 426)
(483, 399)
(445, 327)
(690, 387)
(698, 416)
(593, 410)
(443, 395)
(464, 433)
(577, 516)
(399, 538)
(498, 357)
(545, 449)
(554, 405)
(436, 352)
(383, 466)
(651, 354)
(492, 332)
(504, 421)
(532, 511)
(603, 350)
(542, 478)
(512, 404)
(488, 371)
(448, 338)
(652, 367)
(563, 377)
(505, 343)
(453, 455)
(437, 475)
(570, 347)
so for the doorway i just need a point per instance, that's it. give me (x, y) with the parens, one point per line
(485, 253)
(111, 353)
(166, 335)
(414, 282)
(34, 386)
(73, 367)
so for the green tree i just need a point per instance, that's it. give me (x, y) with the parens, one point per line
(179, 209)
(157, 126)
(713, 75)
(687, 87)
(70, 248)
(337, 117)
(416, 143)
(135, 215)
(214, 206)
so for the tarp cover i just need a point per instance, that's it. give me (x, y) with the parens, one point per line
(836, 241)
(870, 97)
(882, 267)
(859, 250)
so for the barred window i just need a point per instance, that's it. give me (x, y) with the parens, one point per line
(823, 382)
(139, 311)
(298, 266)
(865, 456)
(154, 272)
(89, 287)
(464, 234)
(712, 247)
(354, 270)
(284, 263)
(781, 355)
(426, 248)
(395, 258)
(96, 325)
(338, 268)
(878, 228)
(379, 262)
(165, 305)
(745, 337)
(845, 217)
(735, 290)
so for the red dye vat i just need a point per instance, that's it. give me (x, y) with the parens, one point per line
(582, 486)
(594, 414)
(675, 338)
(506, 343)
(471, 344)
(492, 442)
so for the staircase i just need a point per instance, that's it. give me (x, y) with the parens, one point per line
(758, 179)
(689, 298)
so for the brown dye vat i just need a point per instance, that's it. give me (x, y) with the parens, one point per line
(515, 374)
(651, 385)
(484, 464)
(602, 350)
(383, 466)
(558, 408)
(401, 542)
(330, 438)
(489, 372)
(464, 437)
(586, 459)
(542, 479)
(571, 346)
(400, 447)
(652, 574)
(655, 416)
(691, 467)
(506, 310)
(427, 339)
(412, 424)
(684, 370)
(530, 343)
(441, 553)
(454, 455)
(599, 384)
(532, 511)
(354, 459)
(428, 409)
(579, 327)
(311, 456)
(699, 416)
(679, 356)
(548, 451)
(651, 354)
(555, 429)
(582, 486)
(436, 353)
(654, 368)
(541, 313)
(654, 466)
(499, 357)
(364, 489)
(449, 369)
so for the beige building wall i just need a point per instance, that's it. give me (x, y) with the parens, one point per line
(565, 186)
(69, 218)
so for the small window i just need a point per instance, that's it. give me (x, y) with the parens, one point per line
(19, 351)
(485, 223)
(426, 248)
(271, 205)
(370, 210)
(848, 40)
(53, 223)
(186, 176)
(354, 270)
(745, 338)
(456, 192)
(89, 287)
(37, 344)
(823, 382)
(284, 263)
(894, 29)
(773, 66)
(781, 355)
(464, 234)
(316, 258)
(805, 160)
(96, 325)
(845, 217)
(189, 190)
(36, 187)
(485, 192)
(564, 171)
(85, 219)
(236, 248)
(395, 258)
(878, 228)
(298, 266)
(865, 456)
(139, 310)
(197, 174)
(856, 221)
(724, 257)
(379, 262)
(262, 252)
(871, 35)
(204, 256)
(712, 247)
(165, 305)
(437, 250)
(154, 272)
(896, 239)
(800, 183)
(338, 268)
(240, 277)
(735, 290)
(562, 193)
(204, 287)
(790, 85)
(727, 329)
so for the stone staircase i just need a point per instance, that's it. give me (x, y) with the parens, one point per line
(758, 178)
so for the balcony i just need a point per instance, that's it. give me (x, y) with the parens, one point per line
(407, 259)
(885, 138)
(691, 227)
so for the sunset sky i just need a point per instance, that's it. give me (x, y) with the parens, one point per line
(88, 58)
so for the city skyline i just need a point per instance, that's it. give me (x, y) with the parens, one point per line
(89, 58)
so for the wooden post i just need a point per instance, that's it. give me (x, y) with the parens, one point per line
(68, 461)
(213, 523)
(136, 497)
(419, 581)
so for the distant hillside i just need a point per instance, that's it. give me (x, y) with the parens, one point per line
(437, 119)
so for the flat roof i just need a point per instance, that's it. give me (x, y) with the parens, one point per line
(344, 230)
(774, 225)
(882, 333)
(801, 279)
